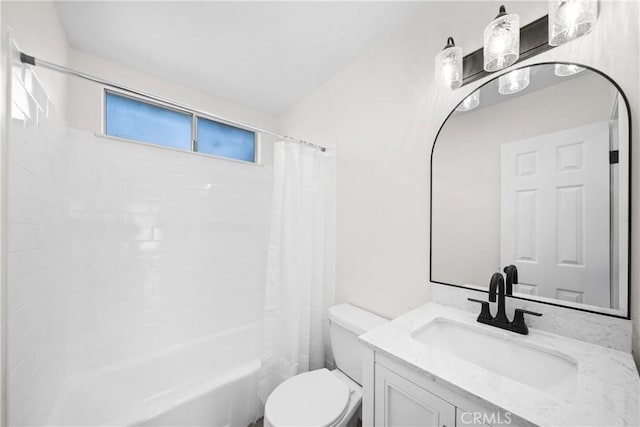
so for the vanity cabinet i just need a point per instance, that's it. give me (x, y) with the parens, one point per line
(397, 396)
(399, 402)
(437, 366)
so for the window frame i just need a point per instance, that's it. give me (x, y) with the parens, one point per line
(195, 115)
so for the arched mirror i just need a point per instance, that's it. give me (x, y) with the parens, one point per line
(532, 170)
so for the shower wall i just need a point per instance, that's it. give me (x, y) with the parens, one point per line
(37, 246)
(165, 247)
(119, 250)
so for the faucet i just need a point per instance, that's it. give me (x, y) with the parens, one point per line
(496, 285)
(511, 271)
(497, 291)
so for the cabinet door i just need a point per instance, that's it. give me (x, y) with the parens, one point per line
(400, 403)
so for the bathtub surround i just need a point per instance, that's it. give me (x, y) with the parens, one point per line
(37, 279)
(122, 254)
(383, 112)
(167, 247)
(300, 265)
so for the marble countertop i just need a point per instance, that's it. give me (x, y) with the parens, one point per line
(607, 384)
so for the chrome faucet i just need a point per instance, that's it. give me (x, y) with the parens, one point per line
(497, 291)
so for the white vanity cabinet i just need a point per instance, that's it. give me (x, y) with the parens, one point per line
(437, 366)
(399, 402)
(400, 397)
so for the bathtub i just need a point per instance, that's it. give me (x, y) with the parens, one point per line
(210, 382)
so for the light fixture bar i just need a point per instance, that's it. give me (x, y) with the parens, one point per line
(534, 39)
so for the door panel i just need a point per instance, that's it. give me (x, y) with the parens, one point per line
(555, 214)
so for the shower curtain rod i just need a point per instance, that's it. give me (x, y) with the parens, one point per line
(31, 60)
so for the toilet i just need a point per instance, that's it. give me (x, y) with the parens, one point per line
(324, 398)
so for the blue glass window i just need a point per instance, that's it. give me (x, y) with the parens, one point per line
(141, 121)
(224, 140)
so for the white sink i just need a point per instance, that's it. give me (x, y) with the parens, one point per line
(549, 372)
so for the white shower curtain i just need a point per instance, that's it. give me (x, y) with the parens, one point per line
(300, 264)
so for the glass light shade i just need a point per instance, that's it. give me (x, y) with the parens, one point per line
(564, 70)
(501, 42)
(570, 19)
(448, 70)
(470, 102)
(513, 82)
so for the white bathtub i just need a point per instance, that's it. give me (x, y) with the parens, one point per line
(211, 382)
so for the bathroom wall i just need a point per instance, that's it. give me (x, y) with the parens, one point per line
(36, 272)
(33, 185)
(166, 247)
(383, 112)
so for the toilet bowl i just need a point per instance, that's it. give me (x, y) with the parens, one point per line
(324, 398)
(316, 398)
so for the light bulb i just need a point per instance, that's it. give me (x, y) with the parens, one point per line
(501, 41)
(513, 82)
(448, 65)
(564, 70)
(470, 102)
(570, 19)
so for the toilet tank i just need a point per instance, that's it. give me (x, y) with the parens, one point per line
(347, 323)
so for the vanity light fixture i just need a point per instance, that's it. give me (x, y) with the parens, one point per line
(502, 41)
(470, 102)
(514, 81)
(564, 70)
(449, 65)
(570, 19)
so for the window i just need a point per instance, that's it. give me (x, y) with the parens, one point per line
(139, 120)
(225, 141)
(132, 119)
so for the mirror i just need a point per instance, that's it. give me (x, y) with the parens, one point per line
(532, 170)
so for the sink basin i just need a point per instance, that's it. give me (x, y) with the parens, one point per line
(549, 372)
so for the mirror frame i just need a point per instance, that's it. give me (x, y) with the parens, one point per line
(629, 157)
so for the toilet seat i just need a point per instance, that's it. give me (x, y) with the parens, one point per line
(317, 398)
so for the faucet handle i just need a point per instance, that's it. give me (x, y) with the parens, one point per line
(533, 313)
(518, 324)
(485, 312)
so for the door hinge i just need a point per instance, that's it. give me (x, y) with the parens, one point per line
(614, 157)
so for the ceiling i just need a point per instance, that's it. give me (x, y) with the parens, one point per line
(262, 55)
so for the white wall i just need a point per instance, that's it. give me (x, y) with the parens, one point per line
(383, 112)
(37, 243)
(33, 276)
(467, 167)
(166, 247)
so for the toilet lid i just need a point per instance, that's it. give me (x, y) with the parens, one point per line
(316, 398)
